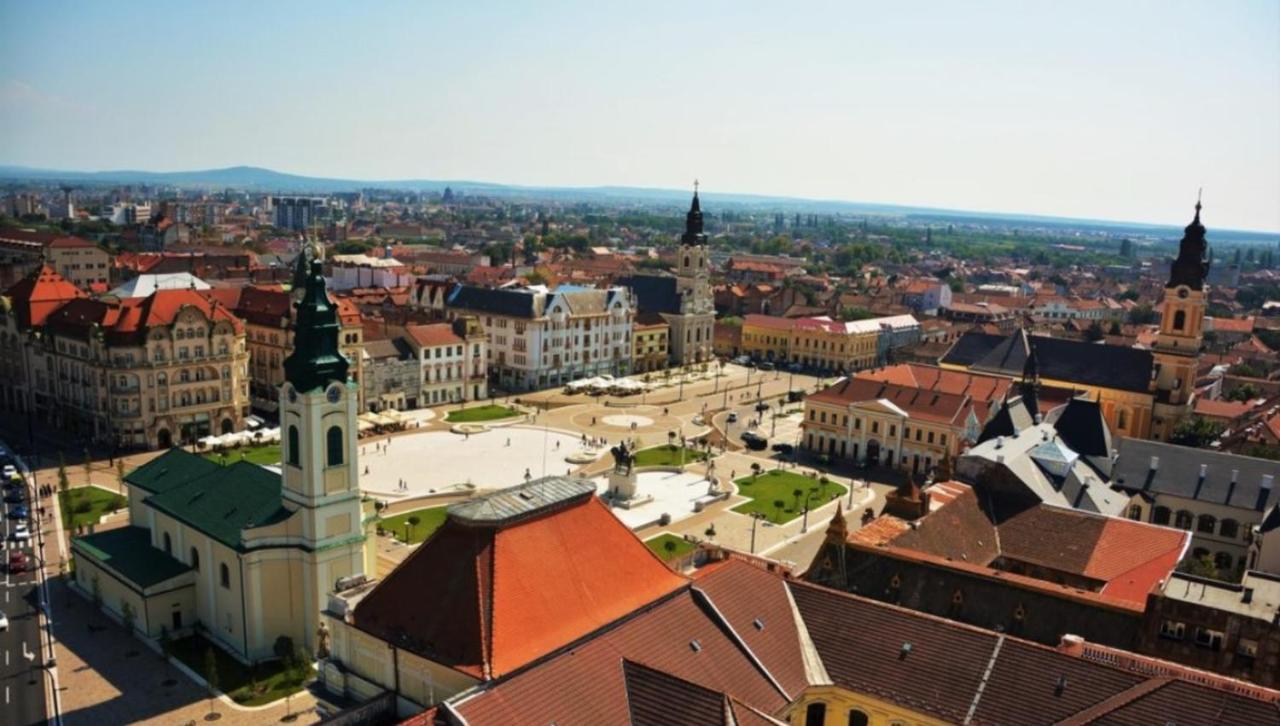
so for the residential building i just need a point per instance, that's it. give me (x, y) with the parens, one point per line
(80, 261)
(297, 213)
(684, 300)
(128, 213)
(925, 296)
(136, 372)
(349, 272)
(245, 552)
(392, 374)
(649, 349)
(452, 359)
(1224, 627)
(826, 344)
(539, 338)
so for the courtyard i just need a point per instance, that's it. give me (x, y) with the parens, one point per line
(673, 493)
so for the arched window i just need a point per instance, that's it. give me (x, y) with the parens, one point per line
(1222, 561)
(168, 544)
(815, 714)
(195, 559)
(1179, 320)
(224, 575)
(1229, 528)
(1207, 524)
(1183, 519)
(1135, 512)
(686, 260)
(293, 446)
(858, 718)
(1160, 515)
(333, 446)
(1122, 419)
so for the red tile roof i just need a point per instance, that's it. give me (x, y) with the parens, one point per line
(38, 295)
(506, 595)
(71, 242)
(918, 403)
(770, 322)
(429, 336)
(933, 378)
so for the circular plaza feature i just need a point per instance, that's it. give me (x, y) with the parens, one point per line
(627, 420)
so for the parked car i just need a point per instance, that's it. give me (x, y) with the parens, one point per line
(754, 441)
(794, 396)
(733, 417)
(9, 471)
(783, 448)
(17, 562)
(20, 533)
(766, 366)
(743, 360)
(15, 495)
(795, 368)
(4, 622)
(19, 512)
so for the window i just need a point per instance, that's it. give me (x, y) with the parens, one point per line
(293, 446)
(1135, 512)
(195, 559)
(333, 445)
(1183, 519)
(1173, 630)
(1229, 528)
(1209, 639)
(1179, 320)
(1222, 561)
(815, 714)
(1207, 524)
(1160, 515)
(858, 718)
(168, 544)
(224, 575)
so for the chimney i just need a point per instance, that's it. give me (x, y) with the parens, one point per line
(1071, 645)
(1155, 463)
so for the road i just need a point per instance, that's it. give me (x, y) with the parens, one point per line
(21, 671)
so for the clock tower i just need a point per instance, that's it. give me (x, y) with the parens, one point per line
(693, 329)
(1177, 347)
(318, 405)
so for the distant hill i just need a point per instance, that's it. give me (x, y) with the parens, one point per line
(268, 180)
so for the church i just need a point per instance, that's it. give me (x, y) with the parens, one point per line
(683, 300)
(242, 553)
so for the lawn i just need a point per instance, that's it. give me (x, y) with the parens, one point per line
(669, 547)
(266, 454)
(770, 489)
(667, 455)
(86, 505)
(481, 413)
(431, 519)
(237, 679)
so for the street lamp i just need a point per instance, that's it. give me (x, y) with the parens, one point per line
(755, 518)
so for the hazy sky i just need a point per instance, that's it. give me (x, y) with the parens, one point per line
(1110, 110)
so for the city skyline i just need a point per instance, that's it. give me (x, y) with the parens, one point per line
(1118, 114)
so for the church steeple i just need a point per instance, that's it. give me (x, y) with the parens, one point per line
(316, 359)
(693, 234)
(1192, 265)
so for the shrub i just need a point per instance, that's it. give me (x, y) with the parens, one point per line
(83, 506)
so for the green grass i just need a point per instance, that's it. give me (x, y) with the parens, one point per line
(235, 678)
(431, 517)
(667, 455)
(256, 454)
(481, 413)
(86, 505)
(679, 546)
(780, 486)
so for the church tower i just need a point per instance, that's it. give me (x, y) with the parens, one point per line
(1177, 347)
(318, 407)
(692, 330)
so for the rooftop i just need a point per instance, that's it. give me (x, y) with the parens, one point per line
(513, 504)
(128, 551)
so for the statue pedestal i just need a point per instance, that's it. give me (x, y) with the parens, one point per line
(622, 484)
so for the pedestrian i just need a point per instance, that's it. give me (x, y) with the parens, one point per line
(508, 441)
(366, 468)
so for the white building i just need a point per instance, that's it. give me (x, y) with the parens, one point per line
(540, 338)
(453, 358)
(348, 272)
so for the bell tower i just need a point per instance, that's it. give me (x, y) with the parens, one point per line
(1177, 347)
(693, 330)
(318, 405)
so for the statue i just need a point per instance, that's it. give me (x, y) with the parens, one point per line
(322, 640)
(623, 460)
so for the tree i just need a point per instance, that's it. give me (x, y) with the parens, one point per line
(1142, 315)
(413, 521)
(796, 493)
(670, 547)
(778, 506)
(1094, 333)
(1247, 392)
(1115, 328)
(211, 675)
(1196, 431)
(128, 616)
(64, 484)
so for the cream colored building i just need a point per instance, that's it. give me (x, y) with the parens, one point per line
(80, 261)
(246, 553)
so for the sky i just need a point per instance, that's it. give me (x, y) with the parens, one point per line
(1101, 110)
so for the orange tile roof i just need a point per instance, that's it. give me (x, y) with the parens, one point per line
(1222, 409)
(429, 336)
(71, 242)
(933, 378)
(770, 322)
(918, 403)
(38, 295)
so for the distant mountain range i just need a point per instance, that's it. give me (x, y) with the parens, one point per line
(268, 180)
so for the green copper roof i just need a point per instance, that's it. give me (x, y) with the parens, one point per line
(128, 551)
(168, 470)
(316, 360)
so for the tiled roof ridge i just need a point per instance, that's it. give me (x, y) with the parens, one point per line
(486, 605)
(1141, 689)
(704, 599)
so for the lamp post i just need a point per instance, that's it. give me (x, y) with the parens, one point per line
(755, 519)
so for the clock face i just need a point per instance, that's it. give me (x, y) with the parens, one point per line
(334, 394)
(1183, 292)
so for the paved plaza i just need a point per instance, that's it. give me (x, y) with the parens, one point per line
(673, 493)
(433, 462)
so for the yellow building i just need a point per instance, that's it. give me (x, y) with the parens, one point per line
(826, 344)
(649, 349)
(245, 552)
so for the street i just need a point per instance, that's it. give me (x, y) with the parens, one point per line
(21, 670)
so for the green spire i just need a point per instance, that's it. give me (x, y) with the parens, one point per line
(316, 360)
(300, 268)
